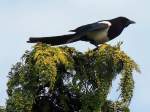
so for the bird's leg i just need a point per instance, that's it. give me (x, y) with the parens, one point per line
(95, 48)
(96, 44)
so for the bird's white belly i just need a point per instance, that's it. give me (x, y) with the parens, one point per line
(98, 36)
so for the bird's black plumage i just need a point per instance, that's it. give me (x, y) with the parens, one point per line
(95, 33)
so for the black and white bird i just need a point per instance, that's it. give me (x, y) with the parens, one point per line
(95, 33)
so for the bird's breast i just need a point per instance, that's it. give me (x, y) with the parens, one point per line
(98, 36)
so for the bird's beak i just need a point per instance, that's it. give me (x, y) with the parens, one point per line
(131, 22)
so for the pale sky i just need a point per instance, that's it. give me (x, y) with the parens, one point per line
(20, 19)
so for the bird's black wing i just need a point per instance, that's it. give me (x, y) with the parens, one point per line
(82, 31)
(90, 27)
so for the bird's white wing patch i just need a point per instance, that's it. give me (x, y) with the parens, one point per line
(106, 22)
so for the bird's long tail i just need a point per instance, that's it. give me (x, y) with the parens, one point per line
(55, 40)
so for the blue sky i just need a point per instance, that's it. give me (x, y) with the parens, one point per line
(20, 19)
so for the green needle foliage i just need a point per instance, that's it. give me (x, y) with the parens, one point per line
(61, 79)
(2, 109)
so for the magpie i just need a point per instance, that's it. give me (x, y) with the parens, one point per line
(95, 33)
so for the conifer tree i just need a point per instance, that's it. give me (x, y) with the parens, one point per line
(61, 79)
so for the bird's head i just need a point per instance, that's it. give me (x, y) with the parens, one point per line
(125, 21)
